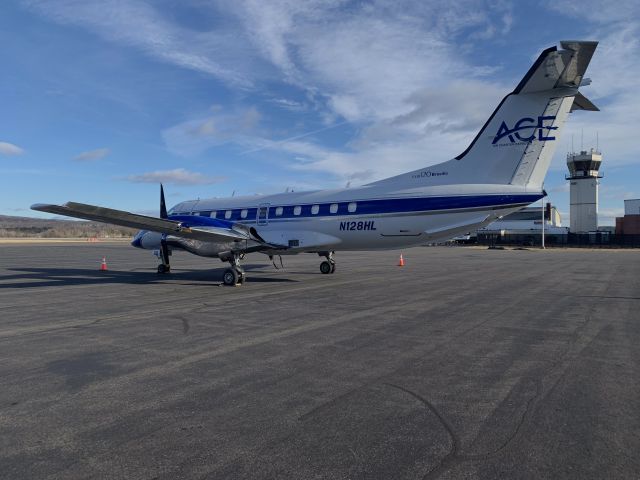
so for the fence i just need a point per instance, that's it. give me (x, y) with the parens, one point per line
(599, 239)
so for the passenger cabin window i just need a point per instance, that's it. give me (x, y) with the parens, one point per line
(315, 209)
(227, 214)
(352, 207)
(213, 214)
(278, 211)
(243, 213)
(333, 208)
(297, 210)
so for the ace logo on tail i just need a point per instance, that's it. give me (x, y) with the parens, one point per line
(527, 125)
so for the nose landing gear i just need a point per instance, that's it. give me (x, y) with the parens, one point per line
(329, 265)
(234, 275)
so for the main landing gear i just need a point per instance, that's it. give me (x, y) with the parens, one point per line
(329, 265)
(163, 255)
(234, 275)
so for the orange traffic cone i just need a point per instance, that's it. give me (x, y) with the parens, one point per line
(401, 262)
(103, 265)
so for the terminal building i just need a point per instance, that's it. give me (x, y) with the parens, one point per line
(525, 227)
(630, 223)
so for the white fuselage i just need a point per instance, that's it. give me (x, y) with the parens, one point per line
(362, 218)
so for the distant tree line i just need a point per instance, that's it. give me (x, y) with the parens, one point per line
(24, 227)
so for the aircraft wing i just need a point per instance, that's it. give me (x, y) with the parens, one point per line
(226, 232)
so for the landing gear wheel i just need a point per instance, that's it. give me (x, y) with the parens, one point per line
(163, 268)
(326, 267)
(230, 277)
(333, 268)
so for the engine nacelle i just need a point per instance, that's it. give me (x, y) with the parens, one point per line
(147, 240)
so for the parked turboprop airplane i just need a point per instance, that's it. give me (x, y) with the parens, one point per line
(501, 171)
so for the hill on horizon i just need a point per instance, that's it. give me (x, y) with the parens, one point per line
(29, 227)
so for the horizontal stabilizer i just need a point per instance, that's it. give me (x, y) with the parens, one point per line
(580, 102)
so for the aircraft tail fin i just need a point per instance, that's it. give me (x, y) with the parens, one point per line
(516, 144)
(518, 141)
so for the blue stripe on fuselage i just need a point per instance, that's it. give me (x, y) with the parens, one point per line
(364, 207)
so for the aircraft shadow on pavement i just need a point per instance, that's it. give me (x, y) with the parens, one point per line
(49, 277)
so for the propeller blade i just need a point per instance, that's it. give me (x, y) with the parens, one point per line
(163, 205)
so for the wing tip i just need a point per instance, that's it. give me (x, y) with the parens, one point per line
(39, 206)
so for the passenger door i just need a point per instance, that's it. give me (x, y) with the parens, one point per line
(262, 215)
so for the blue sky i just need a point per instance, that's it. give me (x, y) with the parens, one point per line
(101, 100)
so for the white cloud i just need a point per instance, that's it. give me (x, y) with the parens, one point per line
(401, 72)
(91, 155)
(178, 176)
(614, 69)
(216, 128)
(289, 104)
(394, 70)
(138, 24)
(616, 192)
(9, 149)
(564, 188)
(607, 216)
(598, 11)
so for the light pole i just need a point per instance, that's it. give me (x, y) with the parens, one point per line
(543, 217)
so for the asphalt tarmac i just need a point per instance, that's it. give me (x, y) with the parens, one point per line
(465, 363)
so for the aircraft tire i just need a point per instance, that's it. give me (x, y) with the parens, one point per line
(325, 267)
(230, 277)
(163, 268)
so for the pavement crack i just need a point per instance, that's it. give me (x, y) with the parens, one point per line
(185, 325)
(452, 455)
(528, 409)
(329, 403)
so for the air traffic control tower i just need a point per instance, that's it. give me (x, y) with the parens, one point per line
(583, 179)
